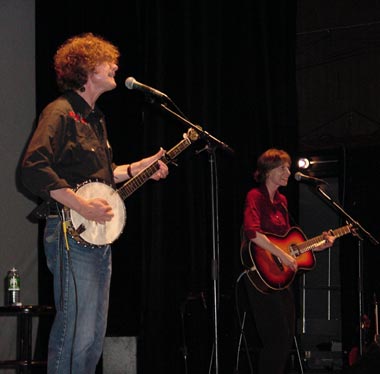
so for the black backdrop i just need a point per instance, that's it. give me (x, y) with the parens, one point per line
(230, 68)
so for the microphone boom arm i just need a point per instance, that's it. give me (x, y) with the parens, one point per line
(356, 224)
(202, 133)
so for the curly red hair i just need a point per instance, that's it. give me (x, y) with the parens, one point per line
(79, 56)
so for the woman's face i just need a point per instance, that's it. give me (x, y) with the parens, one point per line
(279, 175)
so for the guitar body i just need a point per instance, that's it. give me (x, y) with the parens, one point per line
(266, 271)
(86, 231)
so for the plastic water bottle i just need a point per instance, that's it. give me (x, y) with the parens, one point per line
(13, 287)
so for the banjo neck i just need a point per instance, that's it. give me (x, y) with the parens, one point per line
(89, 232)
(132, 184)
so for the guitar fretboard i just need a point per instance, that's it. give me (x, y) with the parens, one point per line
(131, 185)
(310, 244)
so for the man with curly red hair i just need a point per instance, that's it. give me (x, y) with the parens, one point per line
(69, 147)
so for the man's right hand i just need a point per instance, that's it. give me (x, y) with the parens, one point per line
(97, 210)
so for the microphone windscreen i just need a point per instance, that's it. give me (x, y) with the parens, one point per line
(129, 82)
(298, 176)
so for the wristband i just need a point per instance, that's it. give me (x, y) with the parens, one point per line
(129, 171)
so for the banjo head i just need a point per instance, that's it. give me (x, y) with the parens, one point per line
(95, 233)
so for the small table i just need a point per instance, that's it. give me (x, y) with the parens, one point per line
(24, 314)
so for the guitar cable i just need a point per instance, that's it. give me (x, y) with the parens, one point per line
(65, 223)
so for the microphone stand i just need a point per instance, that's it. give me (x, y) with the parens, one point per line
(356, 227)
(212, 144)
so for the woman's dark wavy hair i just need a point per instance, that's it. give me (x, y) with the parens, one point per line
(79, 56)
(270, 159)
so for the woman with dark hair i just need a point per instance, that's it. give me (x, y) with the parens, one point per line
(265, 213)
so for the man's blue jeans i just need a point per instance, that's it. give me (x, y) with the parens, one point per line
(82, 278)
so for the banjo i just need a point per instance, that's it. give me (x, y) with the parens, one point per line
(94, 234)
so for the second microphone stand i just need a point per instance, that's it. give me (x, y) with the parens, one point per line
(212, 144)
(358, 231)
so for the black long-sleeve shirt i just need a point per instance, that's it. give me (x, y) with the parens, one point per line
(69, 147)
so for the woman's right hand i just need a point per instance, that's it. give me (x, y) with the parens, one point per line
(289, 261)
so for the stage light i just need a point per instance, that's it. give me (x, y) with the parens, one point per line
(303, 163)
(319, 165)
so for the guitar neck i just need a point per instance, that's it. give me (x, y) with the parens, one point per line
(131, 185)
(313, 243)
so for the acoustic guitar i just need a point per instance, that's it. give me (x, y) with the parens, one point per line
(266, 271)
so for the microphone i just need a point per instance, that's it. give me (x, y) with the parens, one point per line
(299, 177)
(132, 84)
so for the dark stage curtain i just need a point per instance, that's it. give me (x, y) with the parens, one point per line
(230, 68)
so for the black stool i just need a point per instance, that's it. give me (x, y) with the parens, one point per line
(24, 314)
